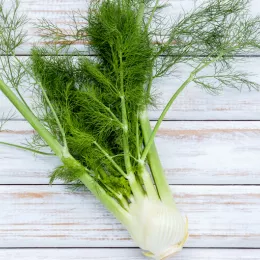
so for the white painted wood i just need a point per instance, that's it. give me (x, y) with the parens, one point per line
(131, 254)
(191, 153)
(196, 104)
(59, 12)
(19, 166)
(193, 103)
(45, 216)
(210, 152)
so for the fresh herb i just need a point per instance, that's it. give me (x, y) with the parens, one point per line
(92, 111)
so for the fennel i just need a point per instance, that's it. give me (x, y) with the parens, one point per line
(92, 112)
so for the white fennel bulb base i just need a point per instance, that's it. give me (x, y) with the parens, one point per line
(159, 229)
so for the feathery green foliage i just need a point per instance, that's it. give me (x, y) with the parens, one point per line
(91, 110)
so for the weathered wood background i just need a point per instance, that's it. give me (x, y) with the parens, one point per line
(210, 149)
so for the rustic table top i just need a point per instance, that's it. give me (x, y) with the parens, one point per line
(210, 149)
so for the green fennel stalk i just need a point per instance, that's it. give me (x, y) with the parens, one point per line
(92, 111)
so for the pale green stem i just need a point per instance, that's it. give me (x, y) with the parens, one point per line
(136, 188)
(106, 108)
(123, 201)
(137, 139)
(176, 94)
(146, 177)
(173, 98)
(149, 135)
(157, 171)
(110, 203)
(214, 76)
(119, 197)
(152, 15)
(150, 82)
(27, 149)
(32, 119)
(140, 14)
(110, 159)
(21, 97)
(148, 184)
(124, 120)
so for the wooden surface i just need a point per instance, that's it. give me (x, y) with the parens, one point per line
(194, 103)
(210, 155)
(192, 153)
(45, 216)
(126, 253)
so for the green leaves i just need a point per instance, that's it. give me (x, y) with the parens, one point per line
(12, 34)
(92, 105)
(98, 100)
(69, 172)
(113, 28)
(229, 78)
(216, 28)
(87, 93)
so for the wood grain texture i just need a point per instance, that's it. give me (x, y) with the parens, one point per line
(45, 216)
(193, 103)
(59, 12)
(126, 253)
(191, 153)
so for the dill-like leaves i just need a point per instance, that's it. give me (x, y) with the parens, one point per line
(92, 105)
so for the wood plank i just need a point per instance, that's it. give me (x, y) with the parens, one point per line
(194, 103)
(221, 216)
(126, 253)
(44, 216)
(191, 153)
(13, 169)
(59, 12)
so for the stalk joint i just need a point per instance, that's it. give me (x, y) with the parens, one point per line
(125, 128)
(141, 162)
